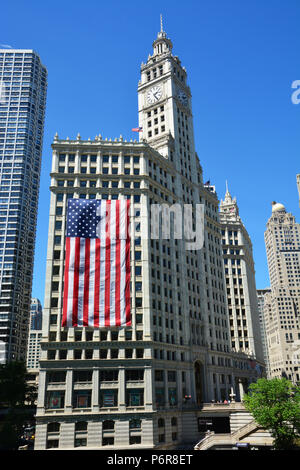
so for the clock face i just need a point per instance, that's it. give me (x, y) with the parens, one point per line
(182, 98)
(154, 94)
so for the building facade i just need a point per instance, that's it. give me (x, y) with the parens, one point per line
(35, 335)
(262, 300)
(23, 83)
(245, 329)
(143, 386)
(281, 309)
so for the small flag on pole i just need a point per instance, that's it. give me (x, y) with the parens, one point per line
(137, 129)
(97, 264)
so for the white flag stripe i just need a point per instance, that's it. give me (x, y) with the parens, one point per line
(123, 219)
(81, 282)
(92, 281)
(71, 282)
(102, 285)
(113, 222)
(122, 281)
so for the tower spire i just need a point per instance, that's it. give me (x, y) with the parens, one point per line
(162, 44)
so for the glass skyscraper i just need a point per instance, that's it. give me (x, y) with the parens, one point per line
(23, 84)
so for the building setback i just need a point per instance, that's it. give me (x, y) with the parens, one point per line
(243, 312)
(262, 300)
(143, 386)
(23, 83)
(281, 305)
(35, 335)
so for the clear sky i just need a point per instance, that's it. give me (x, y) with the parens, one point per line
(241, 58)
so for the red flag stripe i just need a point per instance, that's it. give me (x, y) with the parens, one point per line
(107, 265)
(66, 283)
(97, 283)
(118, 267)
(76, 281)
(127, 284)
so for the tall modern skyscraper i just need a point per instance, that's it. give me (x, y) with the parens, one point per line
(141, 386)
(23, 83)
(240, 280)
(282, 305)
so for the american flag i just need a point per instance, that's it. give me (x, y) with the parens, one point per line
(137, 129)
(97, 264)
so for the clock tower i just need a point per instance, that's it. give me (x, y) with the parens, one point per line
(165, 111)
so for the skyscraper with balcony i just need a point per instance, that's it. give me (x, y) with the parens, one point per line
(23, 83)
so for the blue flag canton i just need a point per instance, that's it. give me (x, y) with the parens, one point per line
(82, 218)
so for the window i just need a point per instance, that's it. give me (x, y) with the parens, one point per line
(108, 398)
(80, 442)
(135, 440)
(55, 399)
(81, 426)
(135, 397)
(134, 374)
(57, 377)
(135, 424)
(53, 427)
(83, 375)
(82, 398)
(52, 444)
(108, 425)
(107, 441)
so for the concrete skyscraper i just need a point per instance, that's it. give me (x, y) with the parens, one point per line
(23, 83)
(240, 280)
(35, 335)
(143, 386)
(282, 304)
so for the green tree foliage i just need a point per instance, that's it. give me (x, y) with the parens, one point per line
(12, 384)
(14, 392)
(275, 405)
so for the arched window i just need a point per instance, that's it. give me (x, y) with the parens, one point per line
(81, 426)
(135, 424)
(53, 427)
(108, 424)
(161, 423)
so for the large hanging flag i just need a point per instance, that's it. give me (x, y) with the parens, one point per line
(97, 264)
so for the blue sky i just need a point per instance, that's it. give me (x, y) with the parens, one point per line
(241, 57)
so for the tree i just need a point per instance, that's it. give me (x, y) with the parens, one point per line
(275, 405)
(12, 384)
(14, 391)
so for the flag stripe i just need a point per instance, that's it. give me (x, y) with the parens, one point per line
(86, 286)
(127, 258)
(76, 281)
(66, 283)
(97, 282)
(118, 267)
(107, 265)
